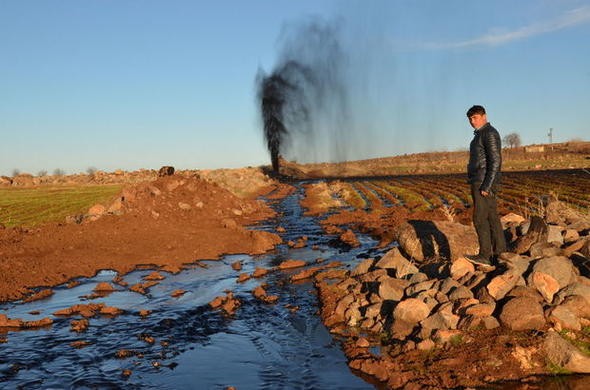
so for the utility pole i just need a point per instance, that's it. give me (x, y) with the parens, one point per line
(550, 134)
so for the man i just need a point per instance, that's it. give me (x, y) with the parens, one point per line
(483, 172)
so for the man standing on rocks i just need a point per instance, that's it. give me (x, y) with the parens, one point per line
(483, 172)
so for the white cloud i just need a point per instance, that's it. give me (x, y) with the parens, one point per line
(568, 19)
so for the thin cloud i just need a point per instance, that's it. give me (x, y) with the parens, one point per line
(568, 19)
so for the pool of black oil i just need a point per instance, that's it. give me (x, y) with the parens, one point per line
(183, 344)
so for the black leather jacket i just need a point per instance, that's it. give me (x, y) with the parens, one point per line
(485, 158)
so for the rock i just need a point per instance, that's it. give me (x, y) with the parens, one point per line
(562, 353)
(573, 313)
(288, 264)
(263, 241)
(418, 277)
(563, 317)
(373, 311)
(110, 311)
(6, 322)
(570, 235)
(537, 232)
(559, 267)
(428, 297)
(460, 292)
(260, 293)
(442, 319)
(578, 245)
(511, 219)
(461, 267)
(236, 265)
(490, 322)
(500, 285)
(259, 272)
(427, 239)
(97, 210)
(554, 235)
(480, 310)
(341, 306)
(545, 284)
(375, 275)
(352, 314)
(104, 287)
(524, 291)
(469, 322)
(447, 285)
(419, 287)
(79, 325)
(349, 238)
(5, 181)
(401, 329)
(166, 171)
(362, 267)
(513, 261)
(522, 313)
(184, 206)
(411, 311)
(392, 289)
(155, 275)
(394, 260)
(580, 289)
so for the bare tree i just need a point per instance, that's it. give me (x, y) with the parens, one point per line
(512, 140)
(42, 173)
(15, 172)
(58, 172)
(91, 171)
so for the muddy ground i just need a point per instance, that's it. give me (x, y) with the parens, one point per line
(166, 223)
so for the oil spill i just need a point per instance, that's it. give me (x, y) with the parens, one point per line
(182, 343)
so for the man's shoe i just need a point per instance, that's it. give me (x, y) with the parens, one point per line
(480, 260)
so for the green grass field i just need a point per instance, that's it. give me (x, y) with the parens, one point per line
(33, 206)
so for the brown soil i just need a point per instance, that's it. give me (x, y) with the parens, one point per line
(567, 155)
(168, 222)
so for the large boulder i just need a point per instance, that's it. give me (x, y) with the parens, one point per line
(392, 289)
(500, 285)
(426, 239)
(411, 310)
(406, 315)
(396, 261)
(522, 313)
(551, 274)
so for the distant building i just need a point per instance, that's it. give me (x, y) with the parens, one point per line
(534, 149)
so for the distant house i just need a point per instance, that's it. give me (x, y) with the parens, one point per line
(534, 149)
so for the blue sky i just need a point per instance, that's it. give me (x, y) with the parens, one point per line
(141, 84)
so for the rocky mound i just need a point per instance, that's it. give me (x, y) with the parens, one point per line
(529, 316)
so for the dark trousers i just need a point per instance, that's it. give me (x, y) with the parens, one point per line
(487, 222)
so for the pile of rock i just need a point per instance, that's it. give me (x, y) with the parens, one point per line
(422, 305)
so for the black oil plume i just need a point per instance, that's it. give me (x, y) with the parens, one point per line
(303, 99)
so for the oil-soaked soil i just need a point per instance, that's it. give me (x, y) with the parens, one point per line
(183, 343)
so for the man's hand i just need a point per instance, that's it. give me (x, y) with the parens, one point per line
(484, 193)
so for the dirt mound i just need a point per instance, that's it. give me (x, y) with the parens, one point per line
(167, 222)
